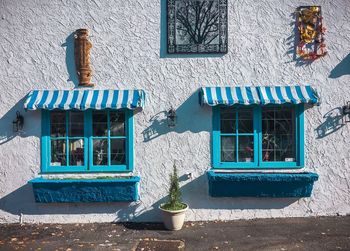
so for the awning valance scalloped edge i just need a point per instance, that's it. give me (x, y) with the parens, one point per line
(84, 99)
(261, 95)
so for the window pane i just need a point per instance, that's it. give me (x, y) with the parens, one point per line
(284, 113)
(268, 126)
(268, 114)
(58, 123)
(117, 123)
(228, 149)
(58, 153)
(245, 121)
(227, 120)
(246, 149)
(283, 126)
(117, 151)
(76, 124)
(100, 149)
(76, 152)
(228, 126)
(278, 138)
(99, 124)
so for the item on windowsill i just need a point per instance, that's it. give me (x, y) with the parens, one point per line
(250, 152)
(55, 163)
(82, 48)
(174, 210)
(311, 30)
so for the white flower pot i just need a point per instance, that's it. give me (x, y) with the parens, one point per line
(173, 220)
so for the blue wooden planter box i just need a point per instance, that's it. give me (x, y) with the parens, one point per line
(85, 190)
(261, 184)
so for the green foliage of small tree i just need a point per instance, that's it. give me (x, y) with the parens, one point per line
(174, 190)
(174, 202)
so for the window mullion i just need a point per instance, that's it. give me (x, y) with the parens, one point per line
(88, 151)
(297, 132)
(299, 126)
(237, 142)
(258, 132)
(46, 141)
(128, 151)
(216, 144)
(67, 138)
(108, 140)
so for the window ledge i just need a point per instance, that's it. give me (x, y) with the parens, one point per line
(254, 184)
(85, 190)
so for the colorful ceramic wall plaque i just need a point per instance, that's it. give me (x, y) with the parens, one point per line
(311, 33)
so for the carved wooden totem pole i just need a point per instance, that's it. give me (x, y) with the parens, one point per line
(82, 48)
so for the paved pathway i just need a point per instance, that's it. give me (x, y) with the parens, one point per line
(325, 233)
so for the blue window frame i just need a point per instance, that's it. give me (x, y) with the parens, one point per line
(265, 137)
(87, 141)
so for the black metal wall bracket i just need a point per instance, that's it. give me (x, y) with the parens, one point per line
(346, 112)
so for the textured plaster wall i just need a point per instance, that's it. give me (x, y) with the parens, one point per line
(128, 52)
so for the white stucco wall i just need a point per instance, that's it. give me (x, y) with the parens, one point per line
(128, 52)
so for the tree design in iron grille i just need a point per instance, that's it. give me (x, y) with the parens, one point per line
(197, 26)
(197, 22)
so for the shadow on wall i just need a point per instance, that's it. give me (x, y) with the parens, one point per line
(22, 201)
(196, 194)
(151, 214)
(292, 42)
(164, 40)
(70, 60)
(341, 69)
(6, 125)
(333, 121)
(190, 117)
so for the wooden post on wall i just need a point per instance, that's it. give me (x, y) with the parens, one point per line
(82, 48)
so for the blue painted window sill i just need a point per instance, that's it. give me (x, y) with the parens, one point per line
(85, 190)
(261, 184)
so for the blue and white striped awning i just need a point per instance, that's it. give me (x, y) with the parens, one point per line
(262, 95)
(230, 96)
(84, 99)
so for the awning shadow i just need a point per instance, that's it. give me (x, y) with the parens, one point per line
(341, 69)
(190, 117)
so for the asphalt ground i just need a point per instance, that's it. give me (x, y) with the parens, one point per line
(320, 233)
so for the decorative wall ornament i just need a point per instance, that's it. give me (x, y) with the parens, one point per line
(197, 26)
(311, 30)
(82, 48)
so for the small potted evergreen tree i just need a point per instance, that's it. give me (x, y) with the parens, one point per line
(174, 210)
